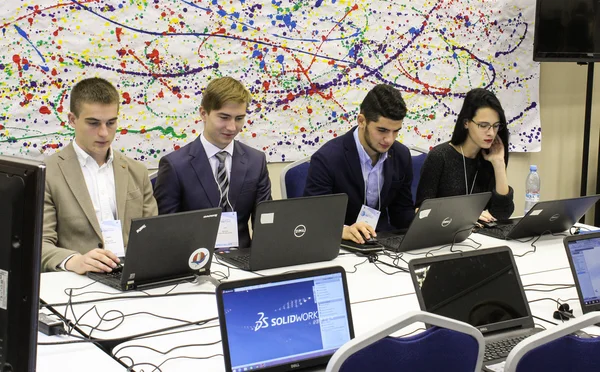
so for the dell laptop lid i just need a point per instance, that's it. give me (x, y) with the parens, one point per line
(297, 231)
(284, 322)
(482, 288)
(170, 247)
(552, 216)
(583, 252)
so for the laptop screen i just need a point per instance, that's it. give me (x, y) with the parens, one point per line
(285, 322)
(585, 258)
(480, 288)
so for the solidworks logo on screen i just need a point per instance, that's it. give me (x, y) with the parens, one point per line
(263, 321)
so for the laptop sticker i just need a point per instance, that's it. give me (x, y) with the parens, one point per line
(424, 213)
(199, 258)
(536, 212)
(267, 218)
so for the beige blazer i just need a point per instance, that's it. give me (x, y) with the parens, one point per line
(70, 223)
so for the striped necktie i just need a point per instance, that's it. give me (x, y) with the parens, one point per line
(222, 180)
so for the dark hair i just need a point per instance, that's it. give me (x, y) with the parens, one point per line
(93, 90)
(476, 99)
(383, 100)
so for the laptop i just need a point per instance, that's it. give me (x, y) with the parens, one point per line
(285, 322)
(583, 252)
(544, 217)
(481, 288)
(438, 221)
(292, 232)
(165, 250)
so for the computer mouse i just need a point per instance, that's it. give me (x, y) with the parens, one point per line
(371, 241)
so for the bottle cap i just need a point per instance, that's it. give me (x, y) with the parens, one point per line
(533, 168)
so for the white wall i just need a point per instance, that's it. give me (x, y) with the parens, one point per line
(562, 104)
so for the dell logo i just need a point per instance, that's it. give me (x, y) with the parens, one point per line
(210, 216)
(554, 218)
(295, 365)
(483, 329)
(140, 229)
(447, 221)
(299, 231)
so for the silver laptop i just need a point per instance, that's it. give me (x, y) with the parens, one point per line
(165, 250)
(552, 216)
(292, 232)
(482, 288)
(285, 322)
(583, 251)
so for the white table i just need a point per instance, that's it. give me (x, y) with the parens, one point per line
(375, 297)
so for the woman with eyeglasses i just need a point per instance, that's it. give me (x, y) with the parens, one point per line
(474, 160)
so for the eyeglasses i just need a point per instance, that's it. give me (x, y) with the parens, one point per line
(485, 126)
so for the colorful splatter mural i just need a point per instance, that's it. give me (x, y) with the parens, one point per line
(308, 64)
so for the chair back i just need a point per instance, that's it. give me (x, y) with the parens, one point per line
(451, 346)
(418, 156)
(293, 178)
(555, 349)
(152, 175)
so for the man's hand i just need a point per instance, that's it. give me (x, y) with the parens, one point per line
(96, 260)
(357, 231)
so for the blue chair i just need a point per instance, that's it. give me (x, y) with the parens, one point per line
(293, 178)
(556, 349)
(451, 346)
(152, 177)
(418, 158)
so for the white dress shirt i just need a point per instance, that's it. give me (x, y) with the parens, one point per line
(211, 152)
(100, 181)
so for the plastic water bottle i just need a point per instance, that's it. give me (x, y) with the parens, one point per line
(532, 188)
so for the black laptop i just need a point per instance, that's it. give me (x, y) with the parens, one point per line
(583, 252)
(284, 322)
(438, 221)
(552, 216)
(292, 232)
(165, 250)
(482, 288)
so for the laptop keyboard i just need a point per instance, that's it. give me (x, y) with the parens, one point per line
(391, 242)
(498, 231)
(501, 349)
(237, 260)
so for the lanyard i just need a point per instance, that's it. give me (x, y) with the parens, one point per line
(465, 169)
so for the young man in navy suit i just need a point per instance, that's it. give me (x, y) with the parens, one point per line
(370, 166)
(215, 170)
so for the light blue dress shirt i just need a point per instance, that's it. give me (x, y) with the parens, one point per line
(372, 174)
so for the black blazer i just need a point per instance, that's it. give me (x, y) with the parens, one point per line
(335, 168)
(185, 182)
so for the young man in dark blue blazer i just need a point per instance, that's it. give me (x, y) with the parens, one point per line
(369, 165)
(215, 170)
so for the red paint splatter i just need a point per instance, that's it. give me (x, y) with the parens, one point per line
(266, 85)
(309, 110)
(176, 147)
(1, 126)
(45, 110)
(154, 56)
(253, 135)
(290, 96)
(127, 98)
(123, 131)
(119, 32)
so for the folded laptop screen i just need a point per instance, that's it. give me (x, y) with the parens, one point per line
(285, 322)
(481, 289)
(585, 254)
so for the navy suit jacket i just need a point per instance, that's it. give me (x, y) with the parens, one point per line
(185, 182)
(335, 168)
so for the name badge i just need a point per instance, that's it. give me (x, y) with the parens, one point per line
(228, 231)
(368, 215)
(113, 237)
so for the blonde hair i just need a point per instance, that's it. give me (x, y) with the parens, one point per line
(93, 90)
(223, 90)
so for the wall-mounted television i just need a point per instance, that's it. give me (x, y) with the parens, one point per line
(567, 31)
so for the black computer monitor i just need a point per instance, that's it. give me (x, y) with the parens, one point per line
(21, 218)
